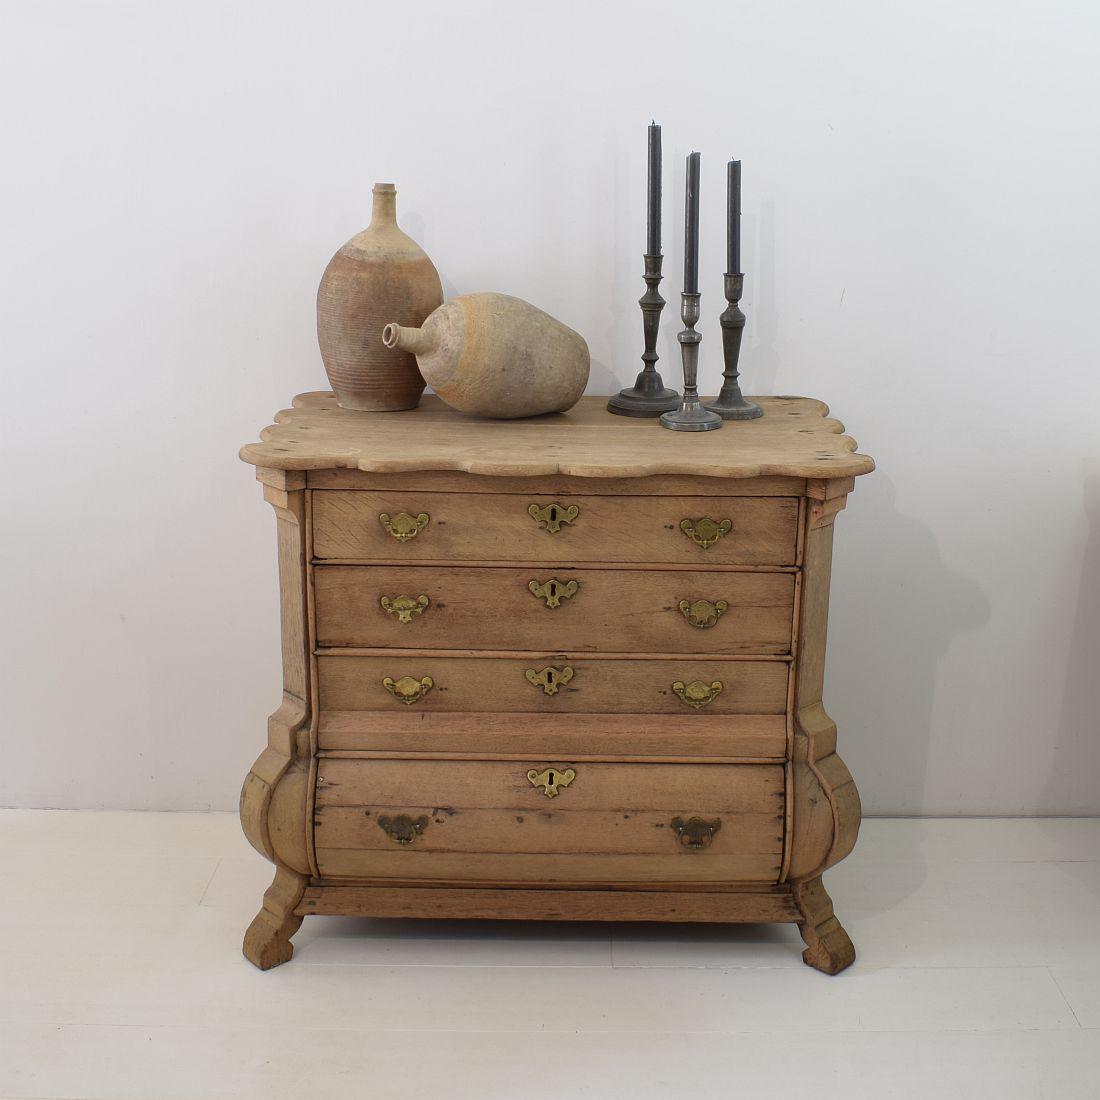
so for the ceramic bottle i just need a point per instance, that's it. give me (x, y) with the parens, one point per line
(496, 356)
(380, 275)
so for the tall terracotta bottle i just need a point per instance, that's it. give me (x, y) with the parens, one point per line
(379, 275)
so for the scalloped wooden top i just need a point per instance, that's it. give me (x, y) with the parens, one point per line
(794, 438)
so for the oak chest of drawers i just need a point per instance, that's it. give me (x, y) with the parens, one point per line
(567, 668)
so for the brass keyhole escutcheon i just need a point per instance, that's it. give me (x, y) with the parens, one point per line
(697, 694)
(403, 526)
(704, 531)
(554, 591)
(549, 678)
(404, 607)
(702, 613)
(696, 833)
(552, 516)
(408, 690)
(551, 780)
(403, 829)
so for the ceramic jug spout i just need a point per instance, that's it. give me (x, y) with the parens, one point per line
(415, 340)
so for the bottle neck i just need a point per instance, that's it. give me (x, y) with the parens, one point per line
(415, 340)
(384, 210)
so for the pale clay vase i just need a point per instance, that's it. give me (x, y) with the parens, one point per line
(496, 356)
(380, 275)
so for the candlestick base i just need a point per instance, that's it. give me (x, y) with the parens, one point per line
(730, 403)
(648, 396)
(691, 416)
(734, 406)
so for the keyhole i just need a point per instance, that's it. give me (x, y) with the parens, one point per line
(553, 514)
(551, 779)
(549, 677)
(553, 590)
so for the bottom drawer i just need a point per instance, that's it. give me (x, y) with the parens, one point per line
(493, 821)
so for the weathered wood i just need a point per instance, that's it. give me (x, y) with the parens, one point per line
(519, 904)
(794, 438)
(467, 832)
(597, 686)
(605, 609)
(267, 941)
(469, 527)
(450, 481)
(626, 736)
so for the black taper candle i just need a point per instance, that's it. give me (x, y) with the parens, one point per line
(733, 218)
(691, 226)
(653, 191)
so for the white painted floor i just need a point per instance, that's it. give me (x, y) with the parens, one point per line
(121, 977)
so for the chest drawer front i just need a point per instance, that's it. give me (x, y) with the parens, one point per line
(487, 821)
(550, 684)
(417, 526)
(639, 611)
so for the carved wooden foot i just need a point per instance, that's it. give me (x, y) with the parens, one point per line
(828, 947)
(267, 941)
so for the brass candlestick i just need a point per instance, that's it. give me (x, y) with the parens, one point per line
(730, 403)
(692, 415)
(649, 395)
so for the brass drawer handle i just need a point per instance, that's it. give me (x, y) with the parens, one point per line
(695, 834)
(704, 531)
(702, 613)
(552, 516)
(408, 690)
(697, 694)
(554, 591)
(403, 526)
(403, 829)
(550, 678)
(551, 780)
(404, 607)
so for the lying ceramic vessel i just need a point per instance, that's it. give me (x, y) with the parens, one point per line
(496, 356)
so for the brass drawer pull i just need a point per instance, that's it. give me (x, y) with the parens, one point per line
(402, 829)
(403, 526)
(697, 694)
(554, 591)
(550, 678)
(695, 834)
(408, 690)
(404, 607)
(551, 780)
(552, 516)
(704, 531)
(702, 613)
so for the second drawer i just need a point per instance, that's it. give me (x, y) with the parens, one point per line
(577, 610)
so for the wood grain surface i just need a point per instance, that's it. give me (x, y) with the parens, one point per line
(619, 611)
(794, 438)
(491, 526)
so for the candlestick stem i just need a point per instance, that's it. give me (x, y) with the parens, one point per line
(731, 403)
(692, 415)
(648, 396)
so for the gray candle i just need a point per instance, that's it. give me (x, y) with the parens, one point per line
(653, 192)
(733, 217)
(691, 226)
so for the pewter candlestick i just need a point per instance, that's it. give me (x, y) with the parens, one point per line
(692, 415)
(649, 395)
(730, 403)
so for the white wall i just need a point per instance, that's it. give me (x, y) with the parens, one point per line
(921, 184)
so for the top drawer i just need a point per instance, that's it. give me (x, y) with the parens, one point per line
(414, 526)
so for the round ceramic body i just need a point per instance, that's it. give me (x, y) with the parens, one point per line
(497, 356)
(379, 275)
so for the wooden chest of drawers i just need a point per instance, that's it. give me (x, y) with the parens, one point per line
(568, 668)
